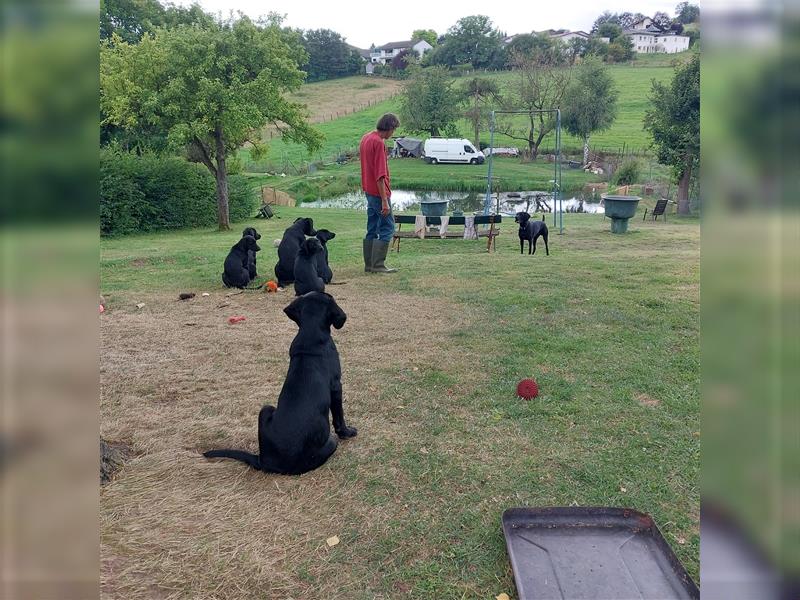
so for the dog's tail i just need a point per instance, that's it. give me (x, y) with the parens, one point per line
(246, 457)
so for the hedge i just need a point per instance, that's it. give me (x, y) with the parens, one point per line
(152, 192)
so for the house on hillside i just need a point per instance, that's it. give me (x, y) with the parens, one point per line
(653, 40)
(385, 53)
(567, 36)
(642, 23)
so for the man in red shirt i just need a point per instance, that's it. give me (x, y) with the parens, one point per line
(375, 183)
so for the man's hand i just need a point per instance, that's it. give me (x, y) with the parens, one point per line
(385, 210)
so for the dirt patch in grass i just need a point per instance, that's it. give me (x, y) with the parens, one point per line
(174, 524)
(648, 401)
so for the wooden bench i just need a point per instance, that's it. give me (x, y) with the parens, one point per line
(660, 209)
(491, 233)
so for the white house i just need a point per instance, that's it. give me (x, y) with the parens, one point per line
(385, 53)
(568, 36)
(642, 23)
(653, 41)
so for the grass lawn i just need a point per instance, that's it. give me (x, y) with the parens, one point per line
(608, 325)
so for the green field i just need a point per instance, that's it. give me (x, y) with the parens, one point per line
(343, 134)
(608, 325)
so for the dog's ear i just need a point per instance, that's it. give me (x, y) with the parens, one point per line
(336, 316)
(308, 227)
(295, 309)
(254, 246)
(243, 244)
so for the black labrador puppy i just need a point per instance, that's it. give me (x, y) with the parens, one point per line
(288, 248)
(251, 256)
(306, 278)
(236, 273)
(323, 267)
(531, 231)
(295, 437)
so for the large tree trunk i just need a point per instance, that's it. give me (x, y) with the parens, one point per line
(683, 189)
(223, 214)
(586, 150)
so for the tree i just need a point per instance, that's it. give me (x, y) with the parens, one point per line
(131, 19)
(212, 89)
(620, 50)
(590, 103)
(471, 40)
(532, 44)
(429, 35)
(429, 103)
(687, 13)
(541, 82)
(612, 31)
(673, 122)
(329, 56)
(478, 91)
(662, 20)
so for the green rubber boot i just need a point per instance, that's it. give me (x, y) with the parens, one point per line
(379, 251)
(368, 255)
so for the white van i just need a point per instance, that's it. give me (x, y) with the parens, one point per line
(452, 150)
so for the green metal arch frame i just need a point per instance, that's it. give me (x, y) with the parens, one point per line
(558, 215)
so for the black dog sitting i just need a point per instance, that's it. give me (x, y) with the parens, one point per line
(236, 273)
(531, 230)
(288, 248)
(295, 437)
(251, 255)
(323, 267)
(306, 278)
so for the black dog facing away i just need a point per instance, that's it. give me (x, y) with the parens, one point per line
(306, 278)
(236, 273)
(531, 231)
(288, 248)
(295, 437)
(323, 267)
(251, 255)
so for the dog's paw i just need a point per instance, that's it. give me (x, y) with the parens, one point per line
(347, 432)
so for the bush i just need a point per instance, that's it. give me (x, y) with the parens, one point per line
(153, 192)
(628, 173)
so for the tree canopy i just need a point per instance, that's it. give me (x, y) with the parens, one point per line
(429, 102)
(673, 121)
(329, 56)
(212, 89)
(429, 35)
(472, 40)
(687, 13)
(590, 103)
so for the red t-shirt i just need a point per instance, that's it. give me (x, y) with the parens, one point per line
(374, 164)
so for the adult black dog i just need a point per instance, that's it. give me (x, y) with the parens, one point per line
(531, 231)
(306, 278)
(323, 266)
(236, 273)
(251, 255)
(287, 250)
(295, 437)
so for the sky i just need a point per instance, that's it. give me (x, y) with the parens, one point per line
(365, 23)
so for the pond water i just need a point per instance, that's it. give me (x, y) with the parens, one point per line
(509, 203)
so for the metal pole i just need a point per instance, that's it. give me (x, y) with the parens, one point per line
(487, 202)
(558, 179)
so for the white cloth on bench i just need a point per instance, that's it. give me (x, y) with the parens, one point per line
(443, 227)
(469, 228)
(419, 226)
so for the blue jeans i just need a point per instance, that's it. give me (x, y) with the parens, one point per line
(378, 226)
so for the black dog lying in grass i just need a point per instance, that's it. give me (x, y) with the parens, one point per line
(293, 237)
(295, 437)
(236, 273)
(531, 231)
(323, 267)
(306, 278)
(251, 255)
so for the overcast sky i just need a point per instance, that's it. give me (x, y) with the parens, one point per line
(365, 23)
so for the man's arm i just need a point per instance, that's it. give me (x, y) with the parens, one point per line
(384, 200)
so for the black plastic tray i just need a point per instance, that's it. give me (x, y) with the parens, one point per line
(592, 553)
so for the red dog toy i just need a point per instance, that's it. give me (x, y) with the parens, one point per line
(272, 286)
(236, 319)
(527, 389)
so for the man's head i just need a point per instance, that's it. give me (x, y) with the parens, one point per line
(387, 124)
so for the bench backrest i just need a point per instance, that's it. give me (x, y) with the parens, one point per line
(661, 206)
(479, 220)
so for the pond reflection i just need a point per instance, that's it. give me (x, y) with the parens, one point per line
(506, 203)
